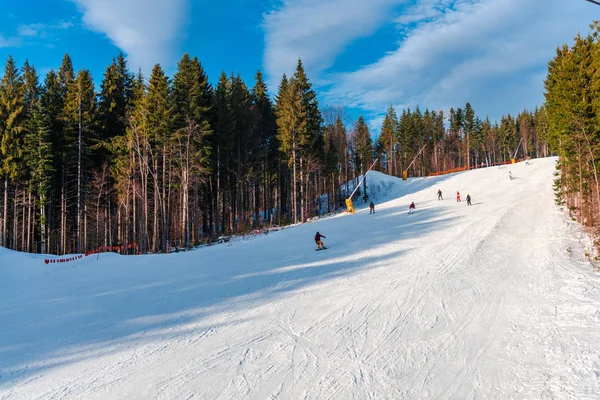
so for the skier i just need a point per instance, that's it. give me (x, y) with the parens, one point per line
(412, 208)
(320, 245)
(468, 199)
(371, 208)
(510, 175)
(458, 196)
(440, 194)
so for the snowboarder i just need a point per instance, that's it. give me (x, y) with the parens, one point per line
(412, 208)
(458, 196)
(371, 208)
(468, 199)
(440, 194)
(320, 245)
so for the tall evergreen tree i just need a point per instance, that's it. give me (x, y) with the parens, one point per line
(388, 137)
(116, 94)
(363, 145)
(38, 161)
(12, 113)
(289, 122)
(192, 99)
(160, 120)
(309, 130)
(81, 130)
(264, 126)
(469, 129)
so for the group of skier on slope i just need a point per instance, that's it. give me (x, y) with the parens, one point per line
(411, 210)
(439, 194)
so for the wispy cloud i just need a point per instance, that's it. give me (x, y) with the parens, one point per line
(146, 30)
(42, 30)
(13, 41)
(492, 53)
(27, 34)
(30, 34)
(317, 31)
(30, 30)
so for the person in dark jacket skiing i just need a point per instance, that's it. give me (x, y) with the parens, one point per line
(440, 194)
(320, 244)
(468, 199)
(412, 208)
(371, 208)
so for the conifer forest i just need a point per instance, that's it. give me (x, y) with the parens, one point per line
(159, 161)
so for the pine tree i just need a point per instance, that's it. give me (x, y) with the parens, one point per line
(309, 129)
(12, 113)
(363, 145)
(223, 149)
(264, 126)
(388, 137)
(160, 120)
(288, 110)
(192, 99)
(80, 115)
(33, 124)
(62, 143)
(38, 161)
(469, 129)
(116, 93)
(405, 139)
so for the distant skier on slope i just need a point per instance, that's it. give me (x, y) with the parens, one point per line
(458, 196)
(510, 175)
(440, 194)
(320, 245)
(371, 208)
(411, 208)
(468, 199)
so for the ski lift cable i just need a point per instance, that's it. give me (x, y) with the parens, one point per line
(364, 177)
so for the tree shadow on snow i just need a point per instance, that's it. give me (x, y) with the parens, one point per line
(116, 302)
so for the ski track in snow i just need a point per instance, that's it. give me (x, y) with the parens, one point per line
(492, 301)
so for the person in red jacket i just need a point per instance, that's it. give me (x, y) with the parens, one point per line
(320, 244)
(457, 196)
(411, 208)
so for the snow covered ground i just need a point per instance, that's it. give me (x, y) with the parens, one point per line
(492, 301)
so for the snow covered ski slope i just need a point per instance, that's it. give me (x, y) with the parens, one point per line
(489, 301)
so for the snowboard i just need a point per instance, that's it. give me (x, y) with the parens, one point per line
(325, 248)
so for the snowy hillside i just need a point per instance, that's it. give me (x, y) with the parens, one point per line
(491, 301)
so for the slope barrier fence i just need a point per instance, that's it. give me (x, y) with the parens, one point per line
(460, 169)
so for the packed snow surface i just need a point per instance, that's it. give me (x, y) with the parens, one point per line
(490, 301)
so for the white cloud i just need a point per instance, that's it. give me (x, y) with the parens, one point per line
(31, 30)
(28, 34)
(10, 41)
(42, 30)
(317, 31)
(492, 53)
(146, 30)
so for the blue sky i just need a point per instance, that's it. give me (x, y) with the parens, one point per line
(361, 54)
